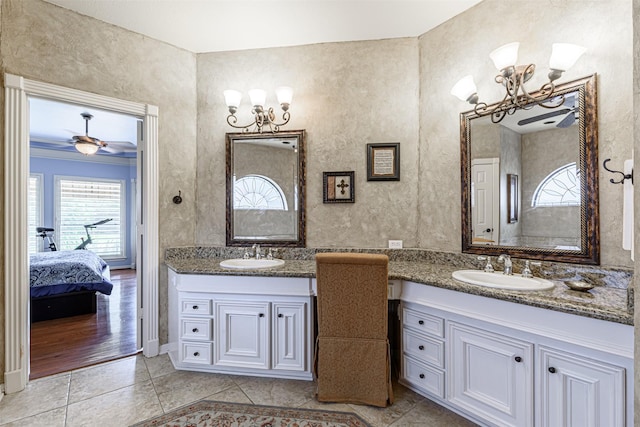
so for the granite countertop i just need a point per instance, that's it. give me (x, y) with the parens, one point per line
(605, 303)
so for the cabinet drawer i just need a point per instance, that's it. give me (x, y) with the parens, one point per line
(195, 306)
(423, 348)
(422, 322)
(195, 329)
(195, 352)
(425, 377)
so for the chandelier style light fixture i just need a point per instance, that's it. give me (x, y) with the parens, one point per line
(513, 77)
(263, 117)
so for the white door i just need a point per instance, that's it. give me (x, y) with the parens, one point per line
(580, 392)
(485, 199)
(289, 335)
(491, 375)
(242, 334)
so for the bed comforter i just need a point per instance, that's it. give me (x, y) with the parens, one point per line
(59, 272)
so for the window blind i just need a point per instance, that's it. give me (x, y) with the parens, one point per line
(85, 201)
(34, 212)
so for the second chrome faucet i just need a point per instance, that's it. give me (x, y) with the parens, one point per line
(508, 266)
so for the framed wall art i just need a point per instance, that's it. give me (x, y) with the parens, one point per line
(383, 162)
(338, 187)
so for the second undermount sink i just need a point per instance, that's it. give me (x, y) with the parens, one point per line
(502, 281)
(250, 263)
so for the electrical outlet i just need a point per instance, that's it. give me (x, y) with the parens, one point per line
(395, 244)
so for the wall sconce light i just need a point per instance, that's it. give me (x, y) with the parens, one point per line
(513, 77)
(262, 117)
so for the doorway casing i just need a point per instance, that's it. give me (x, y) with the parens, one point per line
(16, 261)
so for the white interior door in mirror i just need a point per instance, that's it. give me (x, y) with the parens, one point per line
(485, 180)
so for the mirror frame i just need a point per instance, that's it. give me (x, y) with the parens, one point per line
(230, 138)
(589, 252)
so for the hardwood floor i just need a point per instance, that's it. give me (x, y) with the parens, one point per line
(61, 345)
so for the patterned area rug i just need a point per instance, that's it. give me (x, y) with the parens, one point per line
(208, 413)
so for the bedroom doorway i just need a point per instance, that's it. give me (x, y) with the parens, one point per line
(17, 93)
(86, 201)
(88, 339)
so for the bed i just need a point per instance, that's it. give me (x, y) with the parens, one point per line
(64, 283)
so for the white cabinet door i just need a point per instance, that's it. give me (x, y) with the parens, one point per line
(580, 392)
(289, 336)
(242, 334)
(491, 375)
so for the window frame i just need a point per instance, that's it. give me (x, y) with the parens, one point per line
(540, 189)
(123, 220)
(39, 210)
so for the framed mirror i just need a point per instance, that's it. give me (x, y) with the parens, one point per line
(265, 189)
(530, 182)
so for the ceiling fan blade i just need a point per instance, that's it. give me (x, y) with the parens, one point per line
(543, 116)
(110, 149)
(567, 121)
(123, 146)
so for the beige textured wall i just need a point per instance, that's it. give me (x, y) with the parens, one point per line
(44, 42)
(462, 45)
(345, 96)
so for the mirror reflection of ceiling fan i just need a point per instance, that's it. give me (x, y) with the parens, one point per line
(89, 145)
(569, 112)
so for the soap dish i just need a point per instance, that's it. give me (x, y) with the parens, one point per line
(579, 285)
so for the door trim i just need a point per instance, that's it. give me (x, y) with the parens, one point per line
(16, 260)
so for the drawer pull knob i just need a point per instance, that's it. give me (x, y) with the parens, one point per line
(194, 330)
(421, 347)
(552, 369)
(196, 354)
(195, 307)
(421, 376)
(420, 322)
(280, 315)
(261, 315)
(518, 359)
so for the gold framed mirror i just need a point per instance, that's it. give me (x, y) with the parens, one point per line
(265, 188)
(530, 182)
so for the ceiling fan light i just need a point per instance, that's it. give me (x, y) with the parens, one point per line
(86, 148)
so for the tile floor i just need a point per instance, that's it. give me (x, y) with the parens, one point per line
(130, 390)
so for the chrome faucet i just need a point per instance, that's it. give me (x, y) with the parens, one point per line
(526, 271)
(257, 251)
(508, 267)
(488, 267)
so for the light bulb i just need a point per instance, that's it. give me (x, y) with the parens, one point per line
(464, 89)
(505, 56)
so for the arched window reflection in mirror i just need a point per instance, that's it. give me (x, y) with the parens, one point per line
(560, 188)
(258, 192)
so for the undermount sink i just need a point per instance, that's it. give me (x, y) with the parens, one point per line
(502, 281)
(251, 263)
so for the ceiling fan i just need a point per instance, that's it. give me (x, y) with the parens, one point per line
(569, 112)
(89, 145)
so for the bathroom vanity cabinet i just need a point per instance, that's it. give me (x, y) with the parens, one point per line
(505, 364)
(241, 325)
(496, 362)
